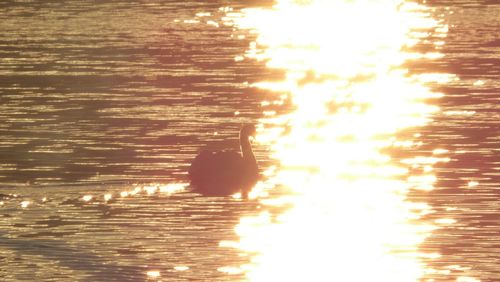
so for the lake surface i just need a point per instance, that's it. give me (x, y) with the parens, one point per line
(378, 140)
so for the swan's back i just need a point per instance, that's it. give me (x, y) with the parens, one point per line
(217, 173)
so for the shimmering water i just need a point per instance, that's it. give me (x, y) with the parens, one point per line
(96, 97)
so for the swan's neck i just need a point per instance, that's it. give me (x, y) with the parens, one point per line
(246, 149)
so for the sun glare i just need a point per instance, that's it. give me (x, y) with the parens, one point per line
(348, 217)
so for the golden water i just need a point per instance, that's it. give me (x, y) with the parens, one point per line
(377, 139)
(347, 213)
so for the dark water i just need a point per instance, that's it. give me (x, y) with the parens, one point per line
(96, 96)
(116, 90)
(468, 126)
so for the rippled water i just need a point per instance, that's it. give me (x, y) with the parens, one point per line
(467, 126)
(117, 90)
(97, 97)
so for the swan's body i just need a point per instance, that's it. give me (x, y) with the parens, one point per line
(222, 173)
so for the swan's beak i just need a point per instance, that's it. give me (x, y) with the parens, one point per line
(249, 130)
(253, 134)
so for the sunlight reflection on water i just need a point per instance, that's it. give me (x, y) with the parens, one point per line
(347, 217)
(97, 96)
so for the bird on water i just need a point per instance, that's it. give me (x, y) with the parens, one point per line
(221, 173)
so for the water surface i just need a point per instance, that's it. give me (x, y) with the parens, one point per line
(104, 105)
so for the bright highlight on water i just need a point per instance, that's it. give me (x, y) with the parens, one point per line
(348, 218)
(367, 172)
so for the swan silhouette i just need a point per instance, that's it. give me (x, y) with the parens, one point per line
(221, 173)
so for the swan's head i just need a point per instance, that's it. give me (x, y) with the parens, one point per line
(248, 130)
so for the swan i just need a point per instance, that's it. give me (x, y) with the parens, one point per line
(221, 173)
